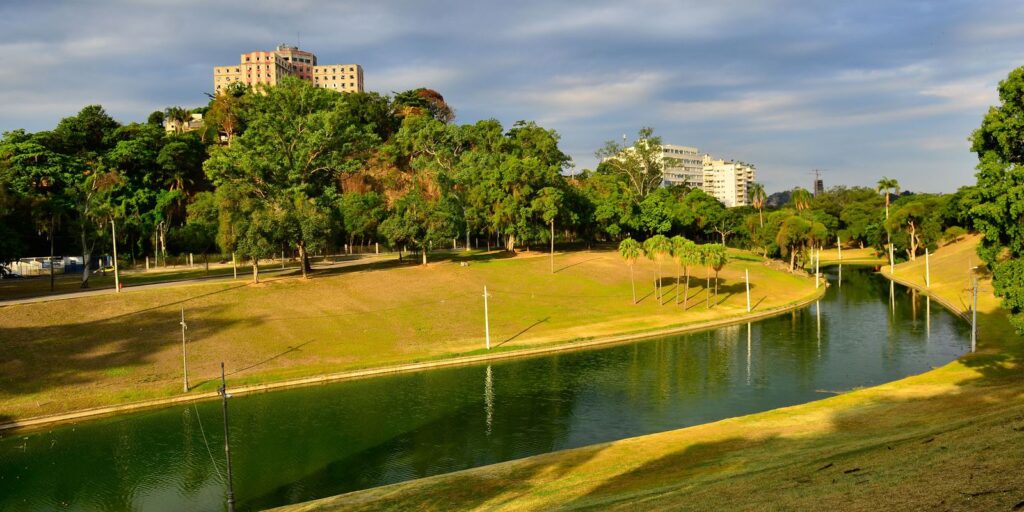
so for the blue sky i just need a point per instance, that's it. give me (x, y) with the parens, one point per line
(861, 89)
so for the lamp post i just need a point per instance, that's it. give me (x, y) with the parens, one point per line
(974, 310)
(113, 237)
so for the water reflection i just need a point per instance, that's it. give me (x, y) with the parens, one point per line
(307, 443)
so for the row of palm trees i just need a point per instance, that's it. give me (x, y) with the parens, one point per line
(685, 253)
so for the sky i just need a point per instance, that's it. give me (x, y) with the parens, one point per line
(860, 89)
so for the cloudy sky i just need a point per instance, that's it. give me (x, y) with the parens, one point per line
(860, 89)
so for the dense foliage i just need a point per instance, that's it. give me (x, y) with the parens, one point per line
(996, 204)
(303, 170)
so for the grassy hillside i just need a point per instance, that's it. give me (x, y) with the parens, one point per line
(111, 349)
(950, 439)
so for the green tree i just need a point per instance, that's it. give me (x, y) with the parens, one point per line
(757, 200)
(299, 140)
(548, 204)
(718, 257)
(888, 187)
(997, 202)
(630, 250)
(677, 248)
(689, 255)
(640, 165)
(656, 248)
(801, 199)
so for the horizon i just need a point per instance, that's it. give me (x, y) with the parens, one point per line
(845, 89)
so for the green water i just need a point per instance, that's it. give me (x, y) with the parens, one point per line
(301, 444)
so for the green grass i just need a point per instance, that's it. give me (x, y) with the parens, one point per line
(949, 439)
(108, 349)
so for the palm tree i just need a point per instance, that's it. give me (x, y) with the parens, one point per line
(757, 199)
(801, 198)
(885, 185)
(705, 259)
(179, 115)
(630, 250)
(678, 244)
(717, 258)
(655, 249)
(689, 255)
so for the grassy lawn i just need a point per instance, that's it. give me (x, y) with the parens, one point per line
(949, 439)
(110, 349)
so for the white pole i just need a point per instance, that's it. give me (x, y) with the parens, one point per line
(376, 247)
(746, 273)
(892, 262)
(147, 262)
(974, 317)
(191, 262)
(927, 270)
(113, 237)
(234, 267)
(184, 360)
(839, 247)
(487, 322)
(814, 258)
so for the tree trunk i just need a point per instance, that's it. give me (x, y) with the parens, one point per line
(760, 216)
(707, 289)
(86, 254)
(206, 263)
(792, 260)
(677, 283)
(913, 242)
(686, 291)
(552, 246)
(510, 245)
(255, 270)
(303, 262)
(423, 250)
(632, 282)
(661, 295)
(467, 239)
(716, 286)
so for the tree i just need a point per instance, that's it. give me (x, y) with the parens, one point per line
(547, 205)
(179, 116)
(887, 186)
(630, 250)
(801, 199)
(997, 202)
(757, 199)
(655, 248)
(299, 141)
(677, 248)
(689, 255)
(199, 234)
(717, 256)
(639, 165)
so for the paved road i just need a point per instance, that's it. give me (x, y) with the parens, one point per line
(244, 274)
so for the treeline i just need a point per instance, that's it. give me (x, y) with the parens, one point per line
(301, 169)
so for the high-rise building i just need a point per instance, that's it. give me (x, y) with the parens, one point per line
(727, 181)
(684, 168)
(269, 68)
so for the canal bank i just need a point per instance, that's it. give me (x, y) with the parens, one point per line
(309, 442)
(945, 439)
(460, 360)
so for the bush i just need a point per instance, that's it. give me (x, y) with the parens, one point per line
(953, 234)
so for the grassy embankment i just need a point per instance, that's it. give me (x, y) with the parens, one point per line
(111, 349)
(949, 439)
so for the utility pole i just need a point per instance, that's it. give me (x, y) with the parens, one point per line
(552, 246)
(892, 262)
(234, 266)
(223, 391)
(184, 360)
(51, 253)
(746, 273)
(927, 270)
(974, 314)
(487, 322)
(113, 238)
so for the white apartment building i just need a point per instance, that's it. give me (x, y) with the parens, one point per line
(727, 181)
(687, 168)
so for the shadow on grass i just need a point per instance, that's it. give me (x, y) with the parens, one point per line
(40, 358)
(520, 333)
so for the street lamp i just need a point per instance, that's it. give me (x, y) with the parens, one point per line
(113, 238)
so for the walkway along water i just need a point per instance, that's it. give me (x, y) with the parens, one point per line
(305, 443)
